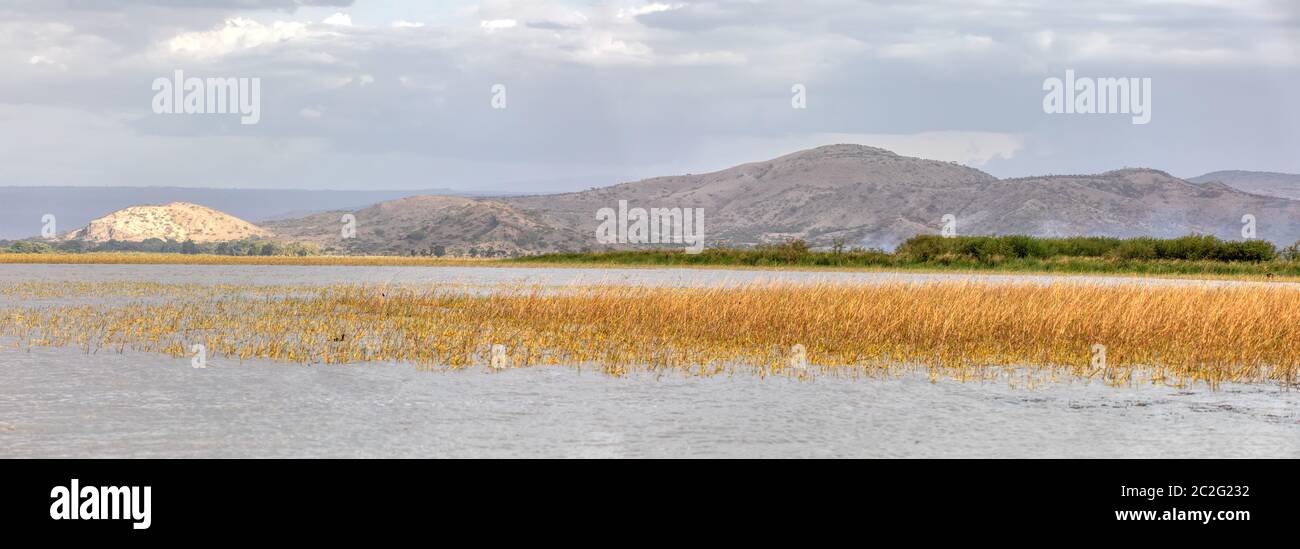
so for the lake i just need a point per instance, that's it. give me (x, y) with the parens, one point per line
(65, 403)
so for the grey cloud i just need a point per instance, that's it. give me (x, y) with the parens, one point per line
(204, 4)
(548, 25)
(674, 91)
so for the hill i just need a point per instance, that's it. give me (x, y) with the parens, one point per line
(178, 221)
(874, 198)
(1284, 185)
(425, 225)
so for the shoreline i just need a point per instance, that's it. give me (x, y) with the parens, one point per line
(403, 261)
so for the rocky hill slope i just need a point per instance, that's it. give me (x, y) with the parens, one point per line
(426, 225)
(875, 198)
(179, 221)
(861, 196)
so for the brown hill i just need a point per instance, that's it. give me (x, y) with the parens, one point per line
(863, 195)
(873, 197)
(420, 224)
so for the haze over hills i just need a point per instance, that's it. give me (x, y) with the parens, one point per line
(1284, 185)
(862, 196)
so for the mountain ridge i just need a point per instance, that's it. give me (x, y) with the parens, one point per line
(851, 194)
(1282, 185)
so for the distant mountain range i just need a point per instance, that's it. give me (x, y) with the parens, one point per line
(862, 196)
(1285, 185)
(872, 197)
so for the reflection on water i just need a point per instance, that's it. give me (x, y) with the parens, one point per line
(61, 402)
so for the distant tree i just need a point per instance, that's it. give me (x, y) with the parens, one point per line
(302, 249)
(72, 246)
(189, 247)
(1291, 253)
(29, 247)
(439, 250)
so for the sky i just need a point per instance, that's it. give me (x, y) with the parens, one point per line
(387, 94)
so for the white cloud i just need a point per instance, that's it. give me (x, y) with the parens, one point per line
(311, 113)
(654, 7)
(498, 24)
(401, 24)
(234, 35)
(45, 61)
(932, 45)
(339, 19)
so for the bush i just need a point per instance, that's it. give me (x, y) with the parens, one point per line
(790, 251)
(1290, 253)
(994, 249)
(29, 247)
(923, 248)
(1250, 250)
(1141, 249)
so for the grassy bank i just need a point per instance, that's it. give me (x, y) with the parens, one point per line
(1187, 256)
(1286, 270)
(1173, 335)
(125, 258)
(1193, 256)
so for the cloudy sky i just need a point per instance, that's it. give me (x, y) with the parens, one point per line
(388, 94)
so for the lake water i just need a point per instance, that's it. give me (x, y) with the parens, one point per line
(687, 277)
(65, 403)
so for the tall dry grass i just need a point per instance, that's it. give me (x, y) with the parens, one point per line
(133, 258)
(969, 331)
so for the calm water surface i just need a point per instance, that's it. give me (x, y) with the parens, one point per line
(65, 403)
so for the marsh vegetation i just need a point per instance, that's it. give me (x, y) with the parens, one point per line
(966, 331)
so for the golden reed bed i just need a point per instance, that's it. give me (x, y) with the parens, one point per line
(133, 258)
(968, 331)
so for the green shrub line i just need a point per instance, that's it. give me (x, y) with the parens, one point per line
(245, 247)
(1189, 255)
